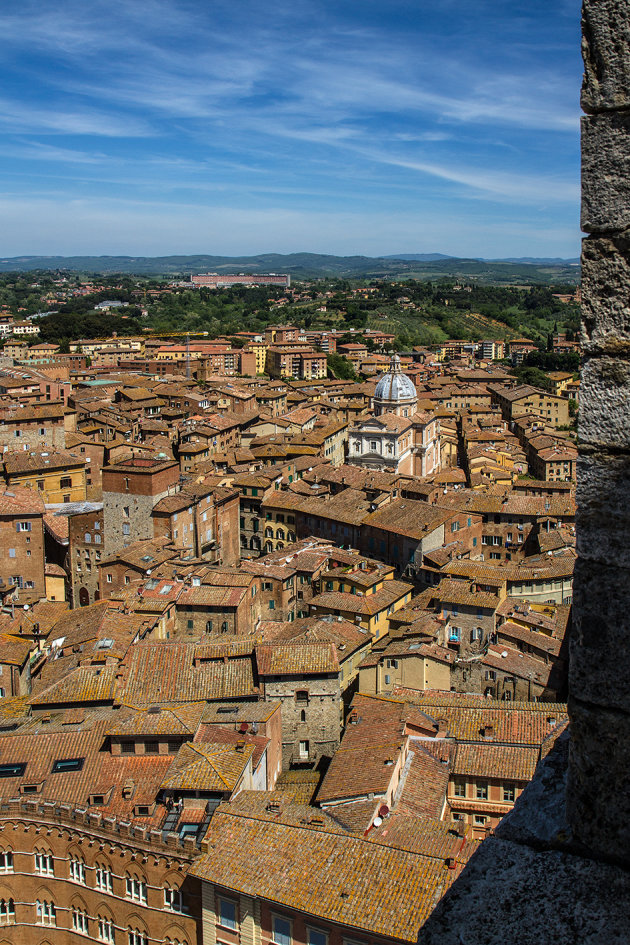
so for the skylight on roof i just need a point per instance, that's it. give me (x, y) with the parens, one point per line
(13, 770)
(166, 589)
(67, 764)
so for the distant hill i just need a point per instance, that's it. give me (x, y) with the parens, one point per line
(540, 260)
(419, 257)
(433, 266)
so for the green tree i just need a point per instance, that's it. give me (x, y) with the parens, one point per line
(340, 367)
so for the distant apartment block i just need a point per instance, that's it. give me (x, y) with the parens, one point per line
(297, 361)
(215, 281)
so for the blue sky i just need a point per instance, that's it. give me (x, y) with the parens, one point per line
(149, 127)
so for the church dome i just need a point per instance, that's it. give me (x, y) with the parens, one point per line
(395, 387)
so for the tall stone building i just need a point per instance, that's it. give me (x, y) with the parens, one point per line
(131, 489)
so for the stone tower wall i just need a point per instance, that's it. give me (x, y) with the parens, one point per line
(598, 801)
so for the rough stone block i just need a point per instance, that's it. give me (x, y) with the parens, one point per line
(539, 819)
(606, 53)
(599, 670)
(598, 788)
(603, 518)
(606, 294)
(606, 172)
(511, 893)
(605, 403)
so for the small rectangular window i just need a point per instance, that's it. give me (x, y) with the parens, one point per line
(227, 913)
(12, 770)
(316, 937)
(509, 792)
(67, 764)
(281, 930)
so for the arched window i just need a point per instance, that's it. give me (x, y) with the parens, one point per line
(7, 911)
(174, 899)
(268, 532)
(6, 861)
(80, 920)
(137, 937)
(77, 869)
(103, 876)
(106, 929)
(280, 534)
(136, 887)
(87, 538)
(291, 536)
(303, 715)
(45, 912)
(44, 862)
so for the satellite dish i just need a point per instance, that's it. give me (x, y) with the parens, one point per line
(378, 821)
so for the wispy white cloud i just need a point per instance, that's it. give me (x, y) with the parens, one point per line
(22, 118)
(297, 98)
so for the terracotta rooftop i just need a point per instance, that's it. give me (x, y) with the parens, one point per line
(334, 878)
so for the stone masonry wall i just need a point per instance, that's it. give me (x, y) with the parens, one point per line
(139, 519)
(321, 709)
(598, 788)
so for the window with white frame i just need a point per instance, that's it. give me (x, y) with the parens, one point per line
(7, 912)
(106, 930)
(46, 913)
(226, 913)
(135, 888)
(44, 863)
(280, 930)
(173, 899)
(6, 861)
(103, 877)
(137, 937)
(77, 870)
(79, 920)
